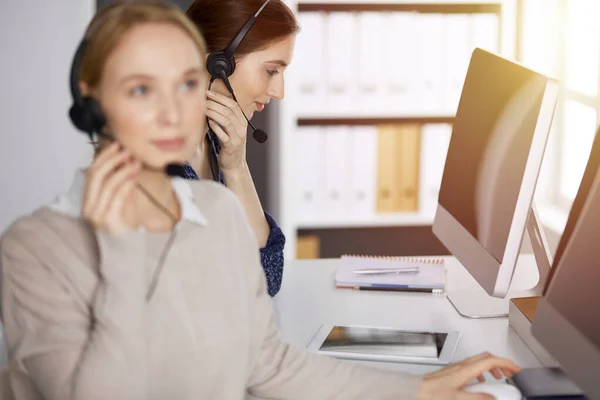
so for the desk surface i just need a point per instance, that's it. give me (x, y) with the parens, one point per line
(308, 299)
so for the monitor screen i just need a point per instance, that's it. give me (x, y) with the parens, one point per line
(582, 194)
(572, 288)
(491, 140)
(566, 320)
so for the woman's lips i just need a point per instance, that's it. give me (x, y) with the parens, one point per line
(174, 144)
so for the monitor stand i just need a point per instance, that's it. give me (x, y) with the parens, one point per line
(477, 304)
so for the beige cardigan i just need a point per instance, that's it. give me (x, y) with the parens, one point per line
(78, 325)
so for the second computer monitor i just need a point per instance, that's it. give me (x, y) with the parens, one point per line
(567, 320)
(498, 140)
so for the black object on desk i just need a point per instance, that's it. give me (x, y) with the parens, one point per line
(546, 383)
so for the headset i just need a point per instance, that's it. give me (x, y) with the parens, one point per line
(221, 65)
(86, 113)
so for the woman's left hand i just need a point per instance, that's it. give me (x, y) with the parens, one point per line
(228, 123)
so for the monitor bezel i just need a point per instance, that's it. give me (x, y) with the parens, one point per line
(494, 276)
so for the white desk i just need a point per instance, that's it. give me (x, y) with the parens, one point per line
(308, 298)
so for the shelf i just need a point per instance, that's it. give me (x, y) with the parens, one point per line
(422, 7)
(347, 120)
(375, 221)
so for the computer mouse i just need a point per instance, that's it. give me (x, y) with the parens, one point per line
(499, 390)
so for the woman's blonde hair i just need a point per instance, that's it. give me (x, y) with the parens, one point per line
(110, 24)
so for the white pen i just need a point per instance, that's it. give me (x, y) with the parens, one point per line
(383, 271)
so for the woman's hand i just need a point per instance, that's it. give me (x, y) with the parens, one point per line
(108, 199)
(228, 123)
(448, 382)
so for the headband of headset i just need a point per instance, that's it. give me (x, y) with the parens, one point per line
(221, 64)
(235, 43)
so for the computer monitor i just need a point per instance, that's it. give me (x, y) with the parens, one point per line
(567, 321)
(499, 136)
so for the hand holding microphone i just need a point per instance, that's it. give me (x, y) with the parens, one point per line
(227, 121)
(108, 202)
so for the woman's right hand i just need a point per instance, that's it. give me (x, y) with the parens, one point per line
(108, 199)
(449, 382)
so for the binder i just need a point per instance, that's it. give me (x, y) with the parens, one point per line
(341, 70)
(337, 171)
(455, 59)
(435, 140)
(398, 168)
(428, 94)
(310, 56)
(309, 172)
(308, 247)
(388, 150)
(403, 63)
(371, 59)
(431, 277)
(408, 167)
(363, 170)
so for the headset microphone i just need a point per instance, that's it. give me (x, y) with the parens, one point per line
(221, 65)
(258, 134)
(175, 170)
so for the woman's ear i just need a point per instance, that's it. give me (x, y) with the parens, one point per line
(84, 89)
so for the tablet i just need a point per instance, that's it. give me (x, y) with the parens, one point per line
(371, 343)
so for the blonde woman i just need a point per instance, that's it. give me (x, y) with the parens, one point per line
(103, 294)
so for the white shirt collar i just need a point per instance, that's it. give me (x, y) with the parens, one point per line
(71, 202)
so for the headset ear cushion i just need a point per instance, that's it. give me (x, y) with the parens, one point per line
(76, 116)
(88, 116)
(217, 63)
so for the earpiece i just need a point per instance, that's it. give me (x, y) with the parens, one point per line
(221, 65)
(85, 113)
(218, 64)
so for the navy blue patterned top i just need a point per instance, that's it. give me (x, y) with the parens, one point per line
(271, 256)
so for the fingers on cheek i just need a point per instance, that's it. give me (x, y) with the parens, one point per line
(219, 132)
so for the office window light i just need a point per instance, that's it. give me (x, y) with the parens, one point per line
(578, 136)
(561, 38)
(582, 46)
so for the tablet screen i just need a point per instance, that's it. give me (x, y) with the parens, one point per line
(349, 339)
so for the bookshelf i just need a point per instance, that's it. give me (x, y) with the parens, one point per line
(290, 117)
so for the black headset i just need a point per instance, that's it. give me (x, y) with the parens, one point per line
(221, 65)
(85, 113)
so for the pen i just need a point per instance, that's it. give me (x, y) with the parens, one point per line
(385, 271)
(394, 289)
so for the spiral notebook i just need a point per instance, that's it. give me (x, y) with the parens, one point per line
(430, 278)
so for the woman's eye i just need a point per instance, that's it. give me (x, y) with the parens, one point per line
(190, 84)
(140, 90)
(272, 72)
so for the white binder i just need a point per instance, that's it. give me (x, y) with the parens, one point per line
(337, 172)
(363, 171)
(309, 63)
(309, 171)
(341, 68)
(435, 140)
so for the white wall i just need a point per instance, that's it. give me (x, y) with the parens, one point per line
(39, 148)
